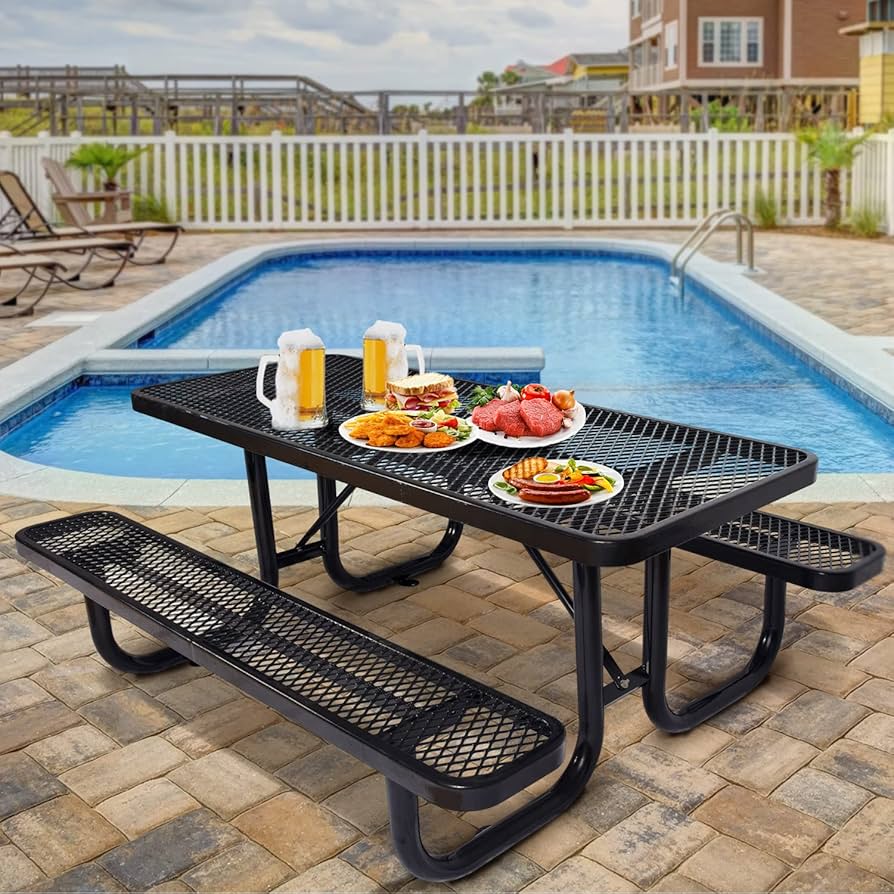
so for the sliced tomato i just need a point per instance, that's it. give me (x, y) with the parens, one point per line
(452, 422)
(535, 390)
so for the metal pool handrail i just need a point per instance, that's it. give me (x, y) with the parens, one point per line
(700, 235)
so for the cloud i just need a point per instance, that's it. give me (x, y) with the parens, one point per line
(346, 44)
(530, 17)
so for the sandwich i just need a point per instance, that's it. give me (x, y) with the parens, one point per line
(425, 391)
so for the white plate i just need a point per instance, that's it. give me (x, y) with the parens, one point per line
(563, 434)
(360, 442)
(597, 497)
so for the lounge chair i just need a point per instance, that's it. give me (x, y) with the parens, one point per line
(30, 264)
(25, 220)
(118, 251)
(71, 206)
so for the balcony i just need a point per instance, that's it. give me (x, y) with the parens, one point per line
(646, 76)
(651, 9)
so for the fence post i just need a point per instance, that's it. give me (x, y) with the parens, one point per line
(171, 174)
(713, 170)
(889, 181)
(422, 206)
(5, 146)
(276, 178)
(568, 178)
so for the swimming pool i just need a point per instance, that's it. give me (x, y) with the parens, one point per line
(609, 324)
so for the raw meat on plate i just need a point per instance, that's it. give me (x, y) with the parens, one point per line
(541, 417)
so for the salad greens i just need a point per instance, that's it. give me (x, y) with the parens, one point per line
(482, 394)
(447, 422)
(506, 486)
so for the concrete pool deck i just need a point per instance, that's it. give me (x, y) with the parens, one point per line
(87, 343)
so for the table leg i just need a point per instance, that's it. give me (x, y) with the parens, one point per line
(655, 632)
(402, 573)
(493, 840)
(328, 501)
(262, 516)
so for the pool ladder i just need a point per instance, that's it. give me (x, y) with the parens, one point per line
(703, 232)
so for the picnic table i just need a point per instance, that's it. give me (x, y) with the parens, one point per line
(432, 732)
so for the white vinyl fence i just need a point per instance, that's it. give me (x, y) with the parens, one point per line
(429, 181)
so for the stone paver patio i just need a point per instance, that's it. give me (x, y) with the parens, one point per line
(176, 782)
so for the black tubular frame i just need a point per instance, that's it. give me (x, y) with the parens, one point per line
(107, 646)
(490, 842)
(655, 634)
(329, 501)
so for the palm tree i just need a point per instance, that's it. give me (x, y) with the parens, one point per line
(104, 157)
(832, 150)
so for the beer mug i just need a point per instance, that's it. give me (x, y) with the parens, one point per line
(300, 400)
(385, 360)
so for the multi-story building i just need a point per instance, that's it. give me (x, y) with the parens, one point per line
(723, 48)
(876, 35)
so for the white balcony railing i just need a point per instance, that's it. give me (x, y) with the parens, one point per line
(646, 76)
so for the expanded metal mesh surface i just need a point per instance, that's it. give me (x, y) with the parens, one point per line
(409, 709)
(795, 542)
(667, 468)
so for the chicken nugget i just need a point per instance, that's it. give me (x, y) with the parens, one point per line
(438, 439)
(397, 429)
(381, 440)
(413, 439)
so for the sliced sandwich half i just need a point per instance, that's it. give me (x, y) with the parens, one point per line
(428, 391)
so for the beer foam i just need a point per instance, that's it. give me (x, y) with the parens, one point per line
(387, 332)
(296, 340)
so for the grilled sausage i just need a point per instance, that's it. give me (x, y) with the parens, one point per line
(553, 498)
(555, 487)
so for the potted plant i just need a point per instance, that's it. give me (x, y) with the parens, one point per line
(832, 150)
(103, 157)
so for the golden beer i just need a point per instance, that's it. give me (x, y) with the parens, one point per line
(375, 373)
(311, 382)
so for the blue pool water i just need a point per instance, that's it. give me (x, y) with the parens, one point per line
(610, 327)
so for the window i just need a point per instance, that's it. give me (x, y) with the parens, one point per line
(671, 47)
(881, 10)
(635, 8)
(731, 41)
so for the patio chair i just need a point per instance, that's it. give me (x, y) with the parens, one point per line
(71, 206)
(31, 264)
(25, 220)
(70, 202)
(118, 251)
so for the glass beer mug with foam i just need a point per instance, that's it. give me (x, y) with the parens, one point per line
(385, 360)
(300, 400)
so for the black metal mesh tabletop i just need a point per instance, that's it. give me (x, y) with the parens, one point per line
(680, 481)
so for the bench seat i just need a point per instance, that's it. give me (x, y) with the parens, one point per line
(798, 553)
(437, 733)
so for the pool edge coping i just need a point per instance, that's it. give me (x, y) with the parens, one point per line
(863, 364)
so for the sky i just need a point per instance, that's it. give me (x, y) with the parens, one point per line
(346, 44)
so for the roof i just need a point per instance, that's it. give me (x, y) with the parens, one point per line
(618, 58)
(566, 64)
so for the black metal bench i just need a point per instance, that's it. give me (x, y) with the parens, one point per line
(437, 733)
(798, 553)
(430, 731)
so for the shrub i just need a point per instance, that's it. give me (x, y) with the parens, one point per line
(867, 220)
(104, 157)
(151, 208)
(726, 117)
(766, 211)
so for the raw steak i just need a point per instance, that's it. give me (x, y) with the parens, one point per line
(486, 417)
(541, 417)
(509, 421)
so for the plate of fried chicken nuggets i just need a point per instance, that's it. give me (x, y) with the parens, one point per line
(393, 431)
